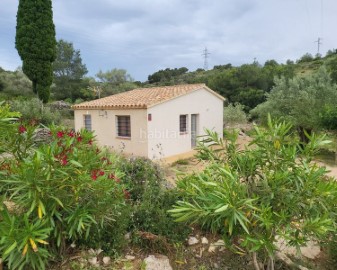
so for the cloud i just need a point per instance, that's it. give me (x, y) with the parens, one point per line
(144, 36)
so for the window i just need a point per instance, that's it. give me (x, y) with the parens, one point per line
(183, 123)
(123, 126)
(87, 122)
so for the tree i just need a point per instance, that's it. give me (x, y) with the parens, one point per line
(36, 43)
(166, 74)
(68, 71)
(115, 81)
(114, 76)
(16, 84)
(299, 100)
(257, 195)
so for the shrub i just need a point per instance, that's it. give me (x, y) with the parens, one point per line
(258, 194)
(62, 192)
(143, 178)
(150, 200)
(234, 114)
(33, 110)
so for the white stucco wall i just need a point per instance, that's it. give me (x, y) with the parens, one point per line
(164, 138)
(105, 129)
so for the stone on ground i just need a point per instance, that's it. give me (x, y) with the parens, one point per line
(193, 240)
(157, 262)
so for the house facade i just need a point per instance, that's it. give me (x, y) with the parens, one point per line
(157, 122)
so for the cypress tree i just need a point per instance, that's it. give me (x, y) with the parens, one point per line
(36, 43)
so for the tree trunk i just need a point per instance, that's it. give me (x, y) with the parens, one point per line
(256, 264)
(304, 140)
(271, 264)
(34, 87)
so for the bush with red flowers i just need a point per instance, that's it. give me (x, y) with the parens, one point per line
(63, 192)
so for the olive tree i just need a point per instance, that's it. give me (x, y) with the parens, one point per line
(299, 100)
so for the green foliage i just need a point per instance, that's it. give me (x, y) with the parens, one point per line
(68, 72)
(6, 125)
(299, 100)
(306, 58)
(55, 194)
(15, 84)
(33, 110)
(269, 190)
(248, 83)
(166, 75)
(328, 117)
(112, 82)
(36, 43)
(114, 76)
(234, 114)
(332, 250)
(143, 178)
(150, 200)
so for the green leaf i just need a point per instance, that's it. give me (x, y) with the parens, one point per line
(11, 248)
(221, 209)
(77, 164)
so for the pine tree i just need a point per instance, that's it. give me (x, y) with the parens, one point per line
(36, 43)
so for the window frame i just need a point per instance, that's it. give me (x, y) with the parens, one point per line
(183, 125)
(125, 133)
(85, 121)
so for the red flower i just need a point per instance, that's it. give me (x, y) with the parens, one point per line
(71, 134)
(94, 177)
(64, 161)
(117, 180)
(22, 129)
(79, 139)
(60, 134)
(126, 194)
(90, 142)
(101, 173)
(111, 176)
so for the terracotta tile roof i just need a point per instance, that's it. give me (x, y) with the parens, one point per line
(142, 97)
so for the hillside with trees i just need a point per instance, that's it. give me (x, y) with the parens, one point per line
(247, 84)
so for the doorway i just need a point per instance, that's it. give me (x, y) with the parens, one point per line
(194, 129)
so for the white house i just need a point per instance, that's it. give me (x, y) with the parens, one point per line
(156, 122)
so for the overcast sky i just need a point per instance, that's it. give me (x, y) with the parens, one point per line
(145, 36)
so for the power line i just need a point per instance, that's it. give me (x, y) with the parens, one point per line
(205, 54)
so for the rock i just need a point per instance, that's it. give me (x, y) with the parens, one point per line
(157, 262)
(127, 236)
(204, 240)
(95, 251)
(216, 265)
(193, 240)
(130, 257)
(93, 261)
(219, 243)
(42, 135)
(106, 260)
(212, 248)
(59, 105)
(311, 250)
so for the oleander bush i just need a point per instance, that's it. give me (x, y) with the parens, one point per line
(54, 194)
(255, 196)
